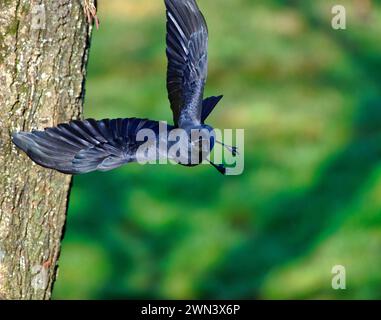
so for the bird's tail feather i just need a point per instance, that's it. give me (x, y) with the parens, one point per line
(208, 105)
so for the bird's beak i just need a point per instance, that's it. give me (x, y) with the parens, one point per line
(220, 168)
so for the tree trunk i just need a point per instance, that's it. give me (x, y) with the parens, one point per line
(43, 55)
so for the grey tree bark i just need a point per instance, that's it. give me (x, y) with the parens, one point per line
(43, 54)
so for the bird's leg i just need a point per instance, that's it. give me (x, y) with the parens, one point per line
(233, 150)
(220, 167)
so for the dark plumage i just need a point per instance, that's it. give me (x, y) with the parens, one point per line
(85, 146)
(89, 145)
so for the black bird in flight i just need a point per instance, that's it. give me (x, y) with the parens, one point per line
(84, 146)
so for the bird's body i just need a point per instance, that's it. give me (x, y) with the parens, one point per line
(84, 146)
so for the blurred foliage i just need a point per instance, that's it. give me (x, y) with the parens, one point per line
(309, 99)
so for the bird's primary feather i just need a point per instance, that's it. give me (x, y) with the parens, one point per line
(85, 146)
(187, 53)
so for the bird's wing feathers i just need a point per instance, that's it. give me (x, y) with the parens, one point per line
(84, 146)
(187, 45)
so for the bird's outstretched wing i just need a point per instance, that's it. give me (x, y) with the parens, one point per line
(84, 146)
(187, 46)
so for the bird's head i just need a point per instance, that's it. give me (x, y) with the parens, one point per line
(203, 137)
(207, 140)
(201, 141)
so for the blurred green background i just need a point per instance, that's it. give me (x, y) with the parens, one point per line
(309, 99)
